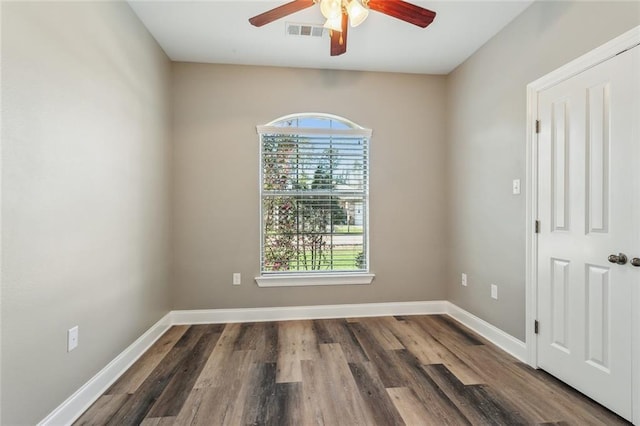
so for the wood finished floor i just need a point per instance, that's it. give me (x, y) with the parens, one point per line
(414, 370)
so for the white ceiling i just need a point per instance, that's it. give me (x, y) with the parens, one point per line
(218, 31)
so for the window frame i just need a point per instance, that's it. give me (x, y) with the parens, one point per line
(314, 278)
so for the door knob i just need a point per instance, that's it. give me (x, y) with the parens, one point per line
(620, 259)
(635, 261)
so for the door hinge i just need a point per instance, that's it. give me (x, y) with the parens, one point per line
(537, 226)
(537, 126)
(535, 326)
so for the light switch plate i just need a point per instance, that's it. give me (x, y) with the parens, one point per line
(72, 338)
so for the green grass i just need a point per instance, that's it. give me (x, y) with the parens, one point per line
(344, 258)
(347, 229)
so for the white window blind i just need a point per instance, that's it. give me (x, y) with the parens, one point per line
(314, 195)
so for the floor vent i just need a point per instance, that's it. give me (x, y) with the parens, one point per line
(306, 30)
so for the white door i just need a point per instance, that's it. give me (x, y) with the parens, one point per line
(589, 156)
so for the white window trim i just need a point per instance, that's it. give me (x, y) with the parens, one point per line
(297, 280)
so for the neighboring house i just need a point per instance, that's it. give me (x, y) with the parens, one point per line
(354, 211)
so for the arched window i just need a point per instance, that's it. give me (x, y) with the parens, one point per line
(314, 187)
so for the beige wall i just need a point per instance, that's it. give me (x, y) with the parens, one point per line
(216, 204)
(486, 146)
(85, 147)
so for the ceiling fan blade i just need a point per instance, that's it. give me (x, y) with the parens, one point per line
(339, 39)
(404, 11)
(280, 12)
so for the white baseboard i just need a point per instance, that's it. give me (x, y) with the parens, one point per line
(212, 316)
(504, 341)
(81, 400)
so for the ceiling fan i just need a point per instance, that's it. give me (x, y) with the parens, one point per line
(339, 13)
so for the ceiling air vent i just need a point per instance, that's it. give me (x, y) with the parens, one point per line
(307, 30)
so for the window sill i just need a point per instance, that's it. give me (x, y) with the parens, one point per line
(314, 279)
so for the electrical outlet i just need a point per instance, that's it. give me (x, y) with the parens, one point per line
(464, 279)
(72, 338)
(237, 278)
(516, 187)
(494, 291)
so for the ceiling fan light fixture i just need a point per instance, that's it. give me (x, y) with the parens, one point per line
(338, 12)
(357, 13)
(334, 24)
(331, 9)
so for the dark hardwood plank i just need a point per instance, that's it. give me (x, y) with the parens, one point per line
(342, 387)
(290, 396)
(381, 359)
(221, 401)
(567, 399)
(421, 345)
(413, 370)
(135, 409)
(338, 331)
(271, 403)
(374, 395)
(477, 402)
(433, 325)
(140, 370)
(457, 330)
(320, 327)
(445, 346)
(219, 358)
(248, 337)
(400, 369)
(382, 330)
(522, 386)
(439, 405)
(281, 407)
(267, 346)
(102, 410)
(175, 393)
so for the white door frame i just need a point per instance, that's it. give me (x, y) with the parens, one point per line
(608, 50)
